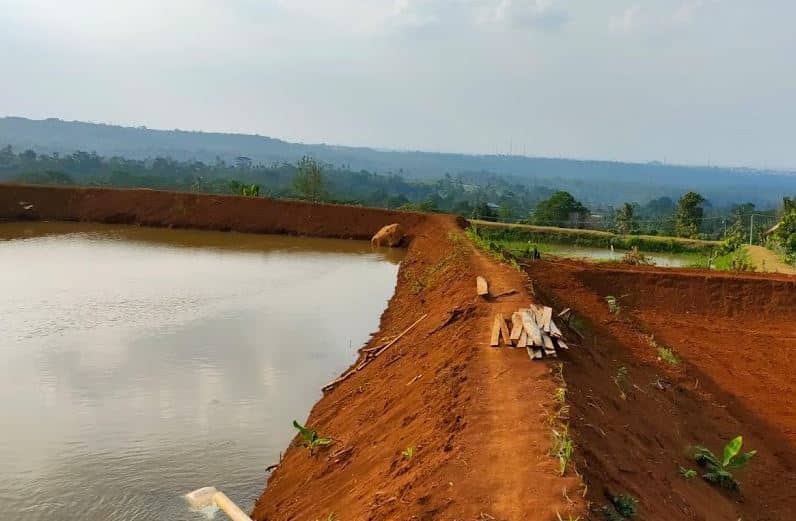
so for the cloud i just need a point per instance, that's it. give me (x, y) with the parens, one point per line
(635, 18)
(531, 14)
(630, 19)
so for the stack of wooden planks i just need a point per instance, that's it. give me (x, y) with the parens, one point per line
(532, 328)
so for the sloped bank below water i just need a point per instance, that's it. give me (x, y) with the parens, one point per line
(474, 416)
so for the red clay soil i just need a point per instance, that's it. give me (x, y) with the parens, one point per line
(736, 338)
(475, 415)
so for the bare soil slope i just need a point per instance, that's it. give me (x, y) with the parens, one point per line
(474, 415)
(736, 339)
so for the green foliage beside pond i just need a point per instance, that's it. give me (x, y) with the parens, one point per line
(591, 239)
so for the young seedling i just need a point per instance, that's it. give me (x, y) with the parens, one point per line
(688, 473)
(613, 304)
(563, 448)
(408, 452)
(718, 469)
(310, 438)
(622, 507)
(621, 381)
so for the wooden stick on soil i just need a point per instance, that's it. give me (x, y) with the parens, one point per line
(372, 356)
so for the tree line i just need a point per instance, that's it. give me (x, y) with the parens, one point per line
(476, 195)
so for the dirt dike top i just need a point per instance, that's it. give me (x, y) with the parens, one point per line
(475, 418)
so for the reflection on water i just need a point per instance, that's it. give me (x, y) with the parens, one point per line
(670, 260)
(137, 364)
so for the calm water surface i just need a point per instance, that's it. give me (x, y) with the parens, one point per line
(138, 364)
(669, 260)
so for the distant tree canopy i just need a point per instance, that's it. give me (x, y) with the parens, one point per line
(624, 219)
(786, 232)
(561, 209)
(689, 214)
(309, 182)
(477, 194)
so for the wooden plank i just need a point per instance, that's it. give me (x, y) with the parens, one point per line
(549, 347)
(536, 311)
(532, 329)
(554, 331)
(481, 286)
(562, 345)
(530, 352)
(547, 317)
(516, 327)
(504, 330)
(494, 340)
(523, 341)
(537, 354)
(564, 312)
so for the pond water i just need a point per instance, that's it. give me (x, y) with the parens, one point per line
(138, 364)
(671, 260)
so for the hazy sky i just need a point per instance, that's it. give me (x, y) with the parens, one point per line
(686, 81)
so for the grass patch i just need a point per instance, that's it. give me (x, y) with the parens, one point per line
(491, 248)
(431, 275)
(665, 353)
(623, 506)
(563, 447)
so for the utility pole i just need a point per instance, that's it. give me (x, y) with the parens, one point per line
(751, 227)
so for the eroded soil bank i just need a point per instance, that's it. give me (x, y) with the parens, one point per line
(735, 338)
(475, 416)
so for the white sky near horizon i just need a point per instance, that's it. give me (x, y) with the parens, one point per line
(682, 81)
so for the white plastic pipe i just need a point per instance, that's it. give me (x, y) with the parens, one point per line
(210, 496)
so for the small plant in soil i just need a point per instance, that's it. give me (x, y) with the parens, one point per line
(719, 469)
(563, 448)
(623, 506)
(408, 452)
(636, 257)
(621, 381)
(310, 438)
(665, 353)
(613, 304)
(330, 517)
(688, 473)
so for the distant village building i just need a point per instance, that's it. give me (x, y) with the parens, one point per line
(243, 162)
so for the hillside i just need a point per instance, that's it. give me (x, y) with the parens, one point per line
(593, 181)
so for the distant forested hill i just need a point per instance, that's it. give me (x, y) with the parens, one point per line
(594, 182)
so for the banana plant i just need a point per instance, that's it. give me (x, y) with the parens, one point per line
(310, 438)
(719, 469)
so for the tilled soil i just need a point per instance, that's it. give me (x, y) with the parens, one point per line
(736, 338)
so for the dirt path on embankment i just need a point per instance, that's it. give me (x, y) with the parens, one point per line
(765, 260)
(475, 416)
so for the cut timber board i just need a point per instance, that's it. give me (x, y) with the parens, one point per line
(504, 330)
(523, 341)
(562, 345)
(532, 329)
(481, 286)
(549, 347)
(516, 327)
(494, 340)
(554, 331)
(547, 317)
